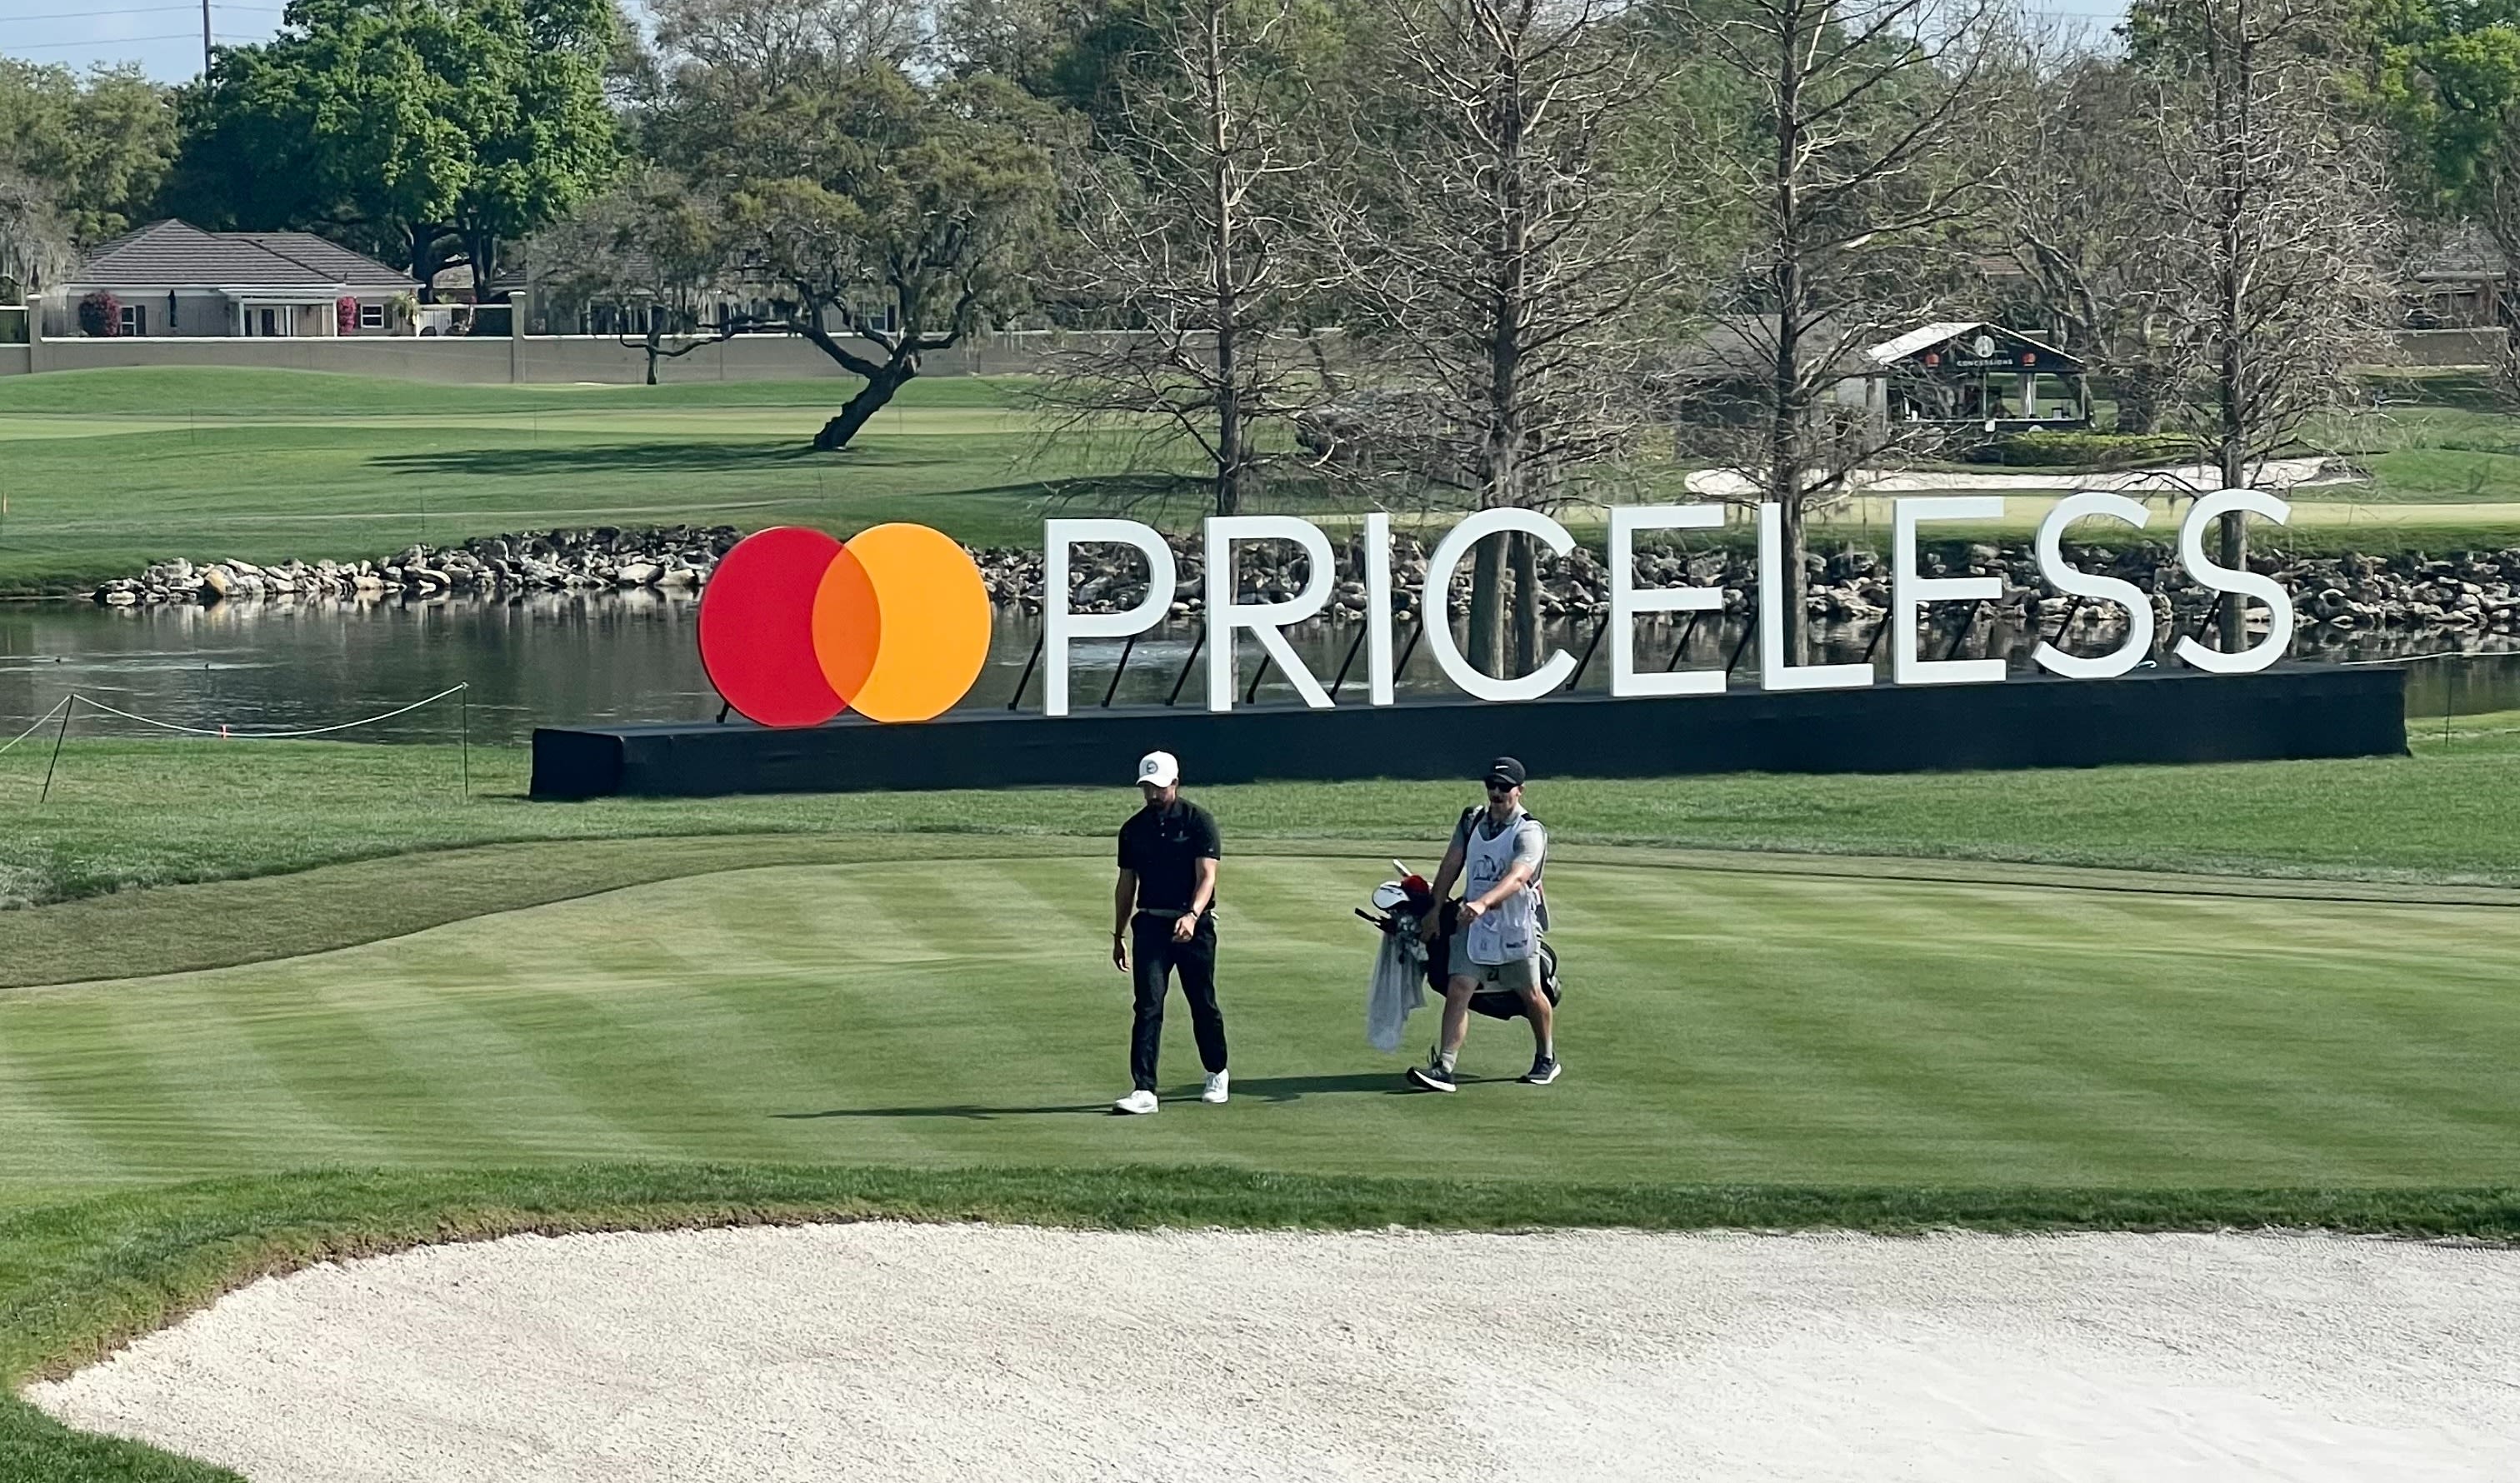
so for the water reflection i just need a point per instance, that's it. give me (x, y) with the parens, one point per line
(567, 660)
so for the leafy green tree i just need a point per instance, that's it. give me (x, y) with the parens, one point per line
(2448, 76)
(429, 130)
(97, 147)
(887, 219)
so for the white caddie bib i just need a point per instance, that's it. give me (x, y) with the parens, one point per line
(1510, 931)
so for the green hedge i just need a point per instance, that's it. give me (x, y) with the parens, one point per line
(2108, 450)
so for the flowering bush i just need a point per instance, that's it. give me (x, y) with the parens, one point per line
(100, 314)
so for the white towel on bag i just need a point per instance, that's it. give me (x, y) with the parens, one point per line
(1399, 987)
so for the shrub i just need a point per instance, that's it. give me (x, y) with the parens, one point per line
(100, 315)
(2075, 449)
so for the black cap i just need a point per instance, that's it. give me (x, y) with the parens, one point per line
(1506, 770)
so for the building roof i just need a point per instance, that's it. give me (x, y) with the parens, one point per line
(176, 254)
(1927, 337)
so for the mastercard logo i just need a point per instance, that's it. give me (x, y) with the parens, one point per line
(797, 627)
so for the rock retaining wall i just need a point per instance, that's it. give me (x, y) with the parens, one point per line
(2474, 592)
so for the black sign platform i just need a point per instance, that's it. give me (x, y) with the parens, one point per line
(2297, 711)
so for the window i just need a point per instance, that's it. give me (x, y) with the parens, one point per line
(135, 319)
(372, 316)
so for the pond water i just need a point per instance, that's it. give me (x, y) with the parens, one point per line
(548, 660)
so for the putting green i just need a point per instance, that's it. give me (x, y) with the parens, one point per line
(1720, 1026)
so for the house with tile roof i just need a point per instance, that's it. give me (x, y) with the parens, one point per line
(172, 278)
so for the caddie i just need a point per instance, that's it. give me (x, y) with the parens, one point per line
(1497, 853)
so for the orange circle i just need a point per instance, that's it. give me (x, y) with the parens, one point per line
(847, 624)
(931, 632)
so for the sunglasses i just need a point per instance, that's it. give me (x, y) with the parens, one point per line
(1495, 786)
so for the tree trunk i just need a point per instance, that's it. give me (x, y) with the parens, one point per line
(861, 409)
(1786, 429)
(2233, 630)
(1525, 562)
(421, 268)
(2234, 79)
(1791, 540)
(2139, 403)
(655, 337)
(1487, 612)
(1220, 184)
(481, 250)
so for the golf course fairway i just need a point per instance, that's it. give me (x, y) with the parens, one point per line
(1722, 1025)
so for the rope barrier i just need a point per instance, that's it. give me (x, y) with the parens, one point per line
(68, 707)
(229, 733)
(40, 723)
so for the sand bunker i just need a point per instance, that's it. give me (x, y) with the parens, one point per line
(910, 1353)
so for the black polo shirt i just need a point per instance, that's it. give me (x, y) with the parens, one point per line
(1164, 846)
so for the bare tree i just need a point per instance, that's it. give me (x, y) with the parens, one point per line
(1504, 225)
(1188, 242)
(2276, 222)
(763, 45)
(2077, 214)
(1872, 162)
(35, 241)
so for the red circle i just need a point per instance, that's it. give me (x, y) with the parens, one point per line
(758, 627)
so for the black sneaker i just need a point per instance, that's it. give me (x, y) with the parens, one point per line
(1544, 1071)
(1432, 1077)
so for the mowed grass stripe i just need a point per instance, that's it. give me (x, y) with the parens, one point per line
(2101, 1034)
(2210, 1048)
(474, 1030)
(1719, 1027)
(120, 1088)
(44, 1137)
(1867, 1052)
(250, 1084)
(534, 1004)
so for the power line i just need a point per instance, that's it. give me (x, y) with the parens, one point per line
(145, 10)
(101, 42)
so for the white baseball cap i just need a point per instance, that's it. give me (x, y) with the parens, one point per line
(1162, 769)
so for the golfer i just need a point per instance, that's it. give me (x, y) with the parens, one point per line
(1496, 934)
(1164, 910)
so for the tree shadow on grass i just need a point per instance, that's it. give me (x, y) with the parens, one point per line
(653, 457)
(1267, 1088)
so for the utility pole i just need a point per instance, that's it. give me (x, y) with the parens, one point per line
(206, 40)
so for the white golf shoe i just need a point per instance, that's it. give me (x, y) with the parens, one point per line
(1215, 1092)
(1136, 1103)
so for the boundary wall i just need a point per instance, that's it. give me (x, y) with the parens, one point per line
(2295, 712)
(520, 360)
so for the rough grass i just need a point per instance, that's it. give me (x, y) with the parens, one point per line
(135, 814)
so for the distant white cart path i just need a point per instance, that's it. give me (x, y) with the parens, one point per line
(910, 1353)
(2187, 479)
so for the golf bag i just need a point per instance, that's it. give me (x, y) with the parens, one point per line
(1402, 905)
(1495, 1004)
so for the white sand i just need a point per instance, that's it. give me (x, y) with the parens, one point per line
(2277, 474)
(911, 1353)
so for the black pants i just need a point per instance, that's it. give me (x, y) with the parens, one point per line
(1153, 956)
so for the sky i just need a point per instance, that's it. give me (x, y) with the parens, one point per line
(164, 36)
